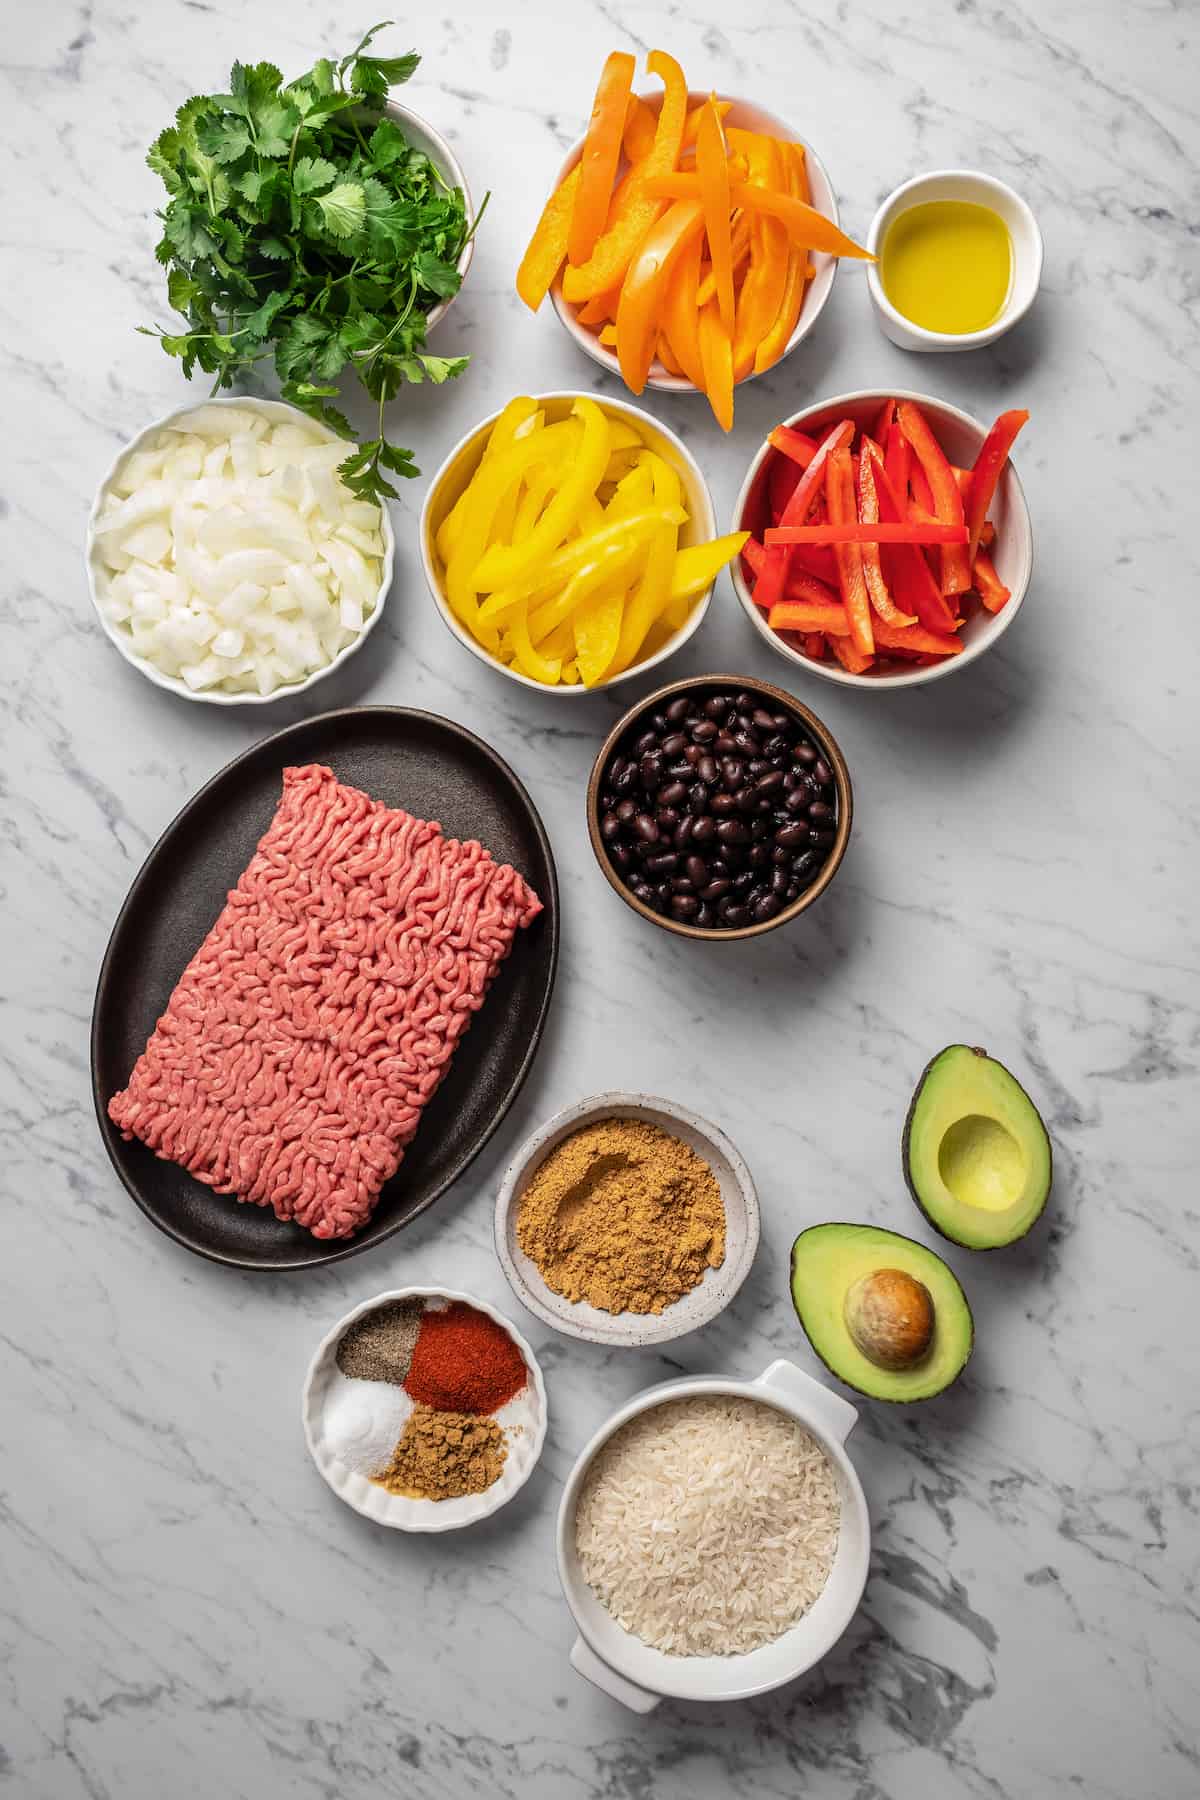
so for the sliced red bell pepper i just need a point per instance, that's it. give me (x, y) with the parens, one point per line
(601, 154)
(839, 498)
(799, 615)
(796, 444)
(782, 477)
(898, 460)
(909, 578)
(807, 488)
(849, 655)
(986, 473)
(814, 645)
(988, 585)
(887, 413)
(754, 556)
(852, 531)
(868, 512)
(947, 501)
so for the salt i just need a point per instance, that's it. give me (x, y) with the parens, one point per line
(361, 1421)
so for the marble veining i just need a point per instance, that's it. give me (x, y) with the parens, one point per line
(187, 1608)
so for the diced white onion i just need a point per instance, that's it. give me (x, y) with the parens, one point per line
(231, 555)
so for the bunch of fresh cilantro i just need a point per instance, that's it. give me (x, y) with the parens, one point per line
(302, 225)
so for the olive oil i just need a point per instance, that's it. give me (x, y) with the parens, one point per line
(947, 265)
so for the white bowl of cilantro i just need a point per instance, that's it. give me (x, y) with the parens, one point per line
(314, 224)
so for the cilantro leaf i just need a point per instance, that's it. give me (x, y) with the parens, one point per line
(312, 173)
(301, 224)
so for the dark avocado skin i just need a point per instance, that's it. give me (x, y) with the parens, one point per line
(976, 1249)
(836, 1373)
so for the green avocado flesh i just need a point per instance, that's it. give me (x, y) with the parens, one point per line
(976, 1154)
(827, 1262)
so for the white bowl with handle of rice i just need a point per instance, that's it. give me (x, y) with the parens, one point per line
(713, 1538)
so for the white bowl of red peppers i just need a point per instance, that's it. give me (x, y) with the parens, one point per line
(890, 540)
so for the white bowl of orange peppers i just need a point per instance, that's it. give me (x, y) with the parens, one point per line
(690, 241)
(888, 538)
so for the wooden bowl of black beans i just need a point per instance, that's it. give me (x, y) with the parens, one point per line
(720, 807)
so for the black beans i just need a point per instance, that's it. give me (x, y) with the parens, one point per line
(718, 812)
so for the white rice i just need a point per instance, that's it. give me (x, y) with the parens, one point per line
(708, 1527)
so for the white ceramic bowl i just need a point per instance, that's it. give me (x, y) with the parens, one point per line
(961, 437)
(639, 1676)
(395, 1510)
(749, 117)
(281, 413)
(421, 134)
(636, 1330)
(461, 464)
(980, 190)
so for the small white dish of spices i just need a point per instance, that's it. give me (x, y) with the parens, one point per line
(424, 1409)
(626, 1220)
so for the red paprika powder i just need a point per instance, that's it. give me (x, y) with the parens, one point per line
(464, 1362)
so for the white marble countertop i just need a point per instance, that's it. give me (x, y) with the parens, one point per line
(189, 1609)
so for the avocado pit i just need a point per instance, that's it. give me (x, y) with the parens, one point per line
(889, 1315)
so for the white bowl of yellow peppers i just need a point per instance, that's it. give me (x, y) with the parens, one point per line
(570, 542)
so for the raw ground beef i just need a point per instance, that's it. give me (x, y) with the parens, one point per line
(321, 1011)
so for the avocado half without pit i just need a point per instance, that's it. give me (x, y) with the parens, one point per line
(976, 1155)
(883, 1313)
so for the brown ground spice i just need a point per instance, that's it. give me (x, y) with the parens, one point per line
(442, 1455)
(624, 1216)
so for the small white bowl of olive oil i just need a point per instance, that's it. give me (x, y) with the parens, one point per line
(959, 260)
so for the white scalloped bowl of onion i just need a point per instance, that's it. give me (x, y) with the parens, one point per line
(226, 560)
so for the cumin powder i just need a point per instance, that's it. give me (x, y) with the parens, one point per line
(442, 1455)
(622, 1215)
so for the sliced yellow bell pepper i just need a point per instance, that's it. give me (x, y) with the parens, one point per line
(550, 582)
(698, 565)
(502, 434)
(545, 669)
(597, 630)
(611, 566)
(644, 286)
(712, 174)
(611, 257)
(654, 589)
(501, 565)
(490, 483)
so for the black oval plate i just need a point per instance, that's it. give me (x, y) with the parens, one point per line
(435, 769)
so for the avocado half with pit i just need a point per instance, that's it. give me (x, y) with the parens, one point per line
(883, 1313)
(976, 1154)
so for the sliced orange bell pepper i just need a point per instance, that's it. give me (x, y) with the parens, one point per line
(681, 313)
(762, 290)
(989, 465)
(547, 248)
(775, 340)
(868, 512)
(666, 355)
(804, 224)
(712, 174)
(602, 310)
(644, 285)
(637, 140)
(739, 238)
(614, 250)
(716, 355)
(692, 123)
(947, 501)
(798, 615)
(600, 156)
(988, 585)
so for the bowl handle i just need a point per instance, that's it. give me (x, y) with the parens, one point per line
(585, 1662)
(836, 1415)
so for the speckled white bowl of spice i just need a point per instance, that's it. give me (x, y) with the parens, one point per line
(522, 1419)
(576, 1318)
